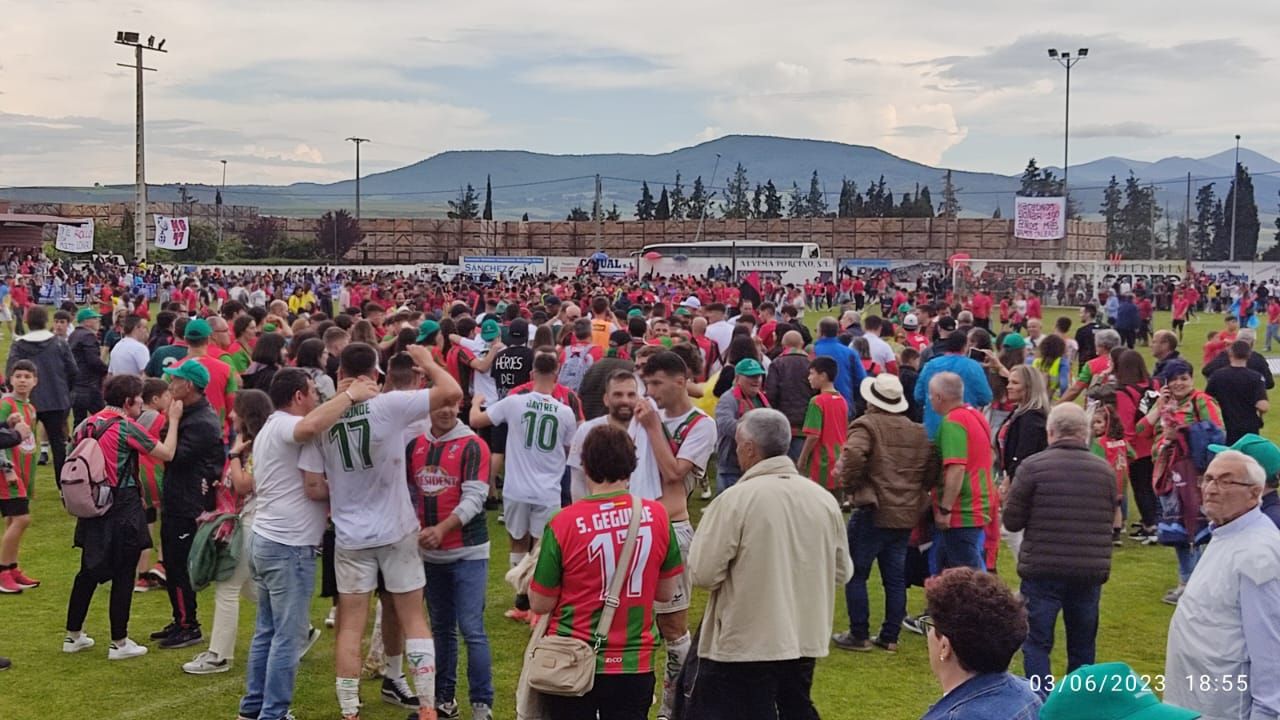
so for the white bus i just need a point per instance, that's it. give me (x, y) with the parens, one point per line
(785, 262)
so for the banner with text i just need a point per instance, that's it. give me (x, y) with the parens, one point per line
(510, 266)
(1039, 218)
(172, 233)
(75, 238)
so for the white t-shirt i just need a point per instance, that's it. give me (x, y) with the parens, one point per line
(539, 428)
(721, 333)
(285, 514)
(362, 456)
(128, 357)
(646, 481)
(482, 383)
(698, 444)
(881, 353)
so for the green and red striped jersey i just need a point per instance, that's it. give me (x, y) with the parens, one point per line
(579, 554)
(964, 438)
(122, 440)
(151, 470)
(221, 390)
(827, 419)
(24, 463)
(437, 471)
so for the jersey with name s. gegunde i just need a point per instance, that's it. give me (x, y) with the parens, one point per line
(362, 456)
(539, 429)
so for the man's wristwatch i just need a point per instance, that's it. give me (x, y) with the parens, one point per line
(235, 456)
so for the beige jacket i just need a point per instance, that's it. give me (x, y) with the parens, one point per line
(772, 550)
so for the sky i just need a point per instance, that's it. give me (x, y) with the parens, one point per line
(275, 88)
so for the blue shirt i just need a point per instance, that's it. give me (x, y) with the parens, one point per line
(849, 370)
(1271, 507)
(977, 391)
(1127, 316)
(984, 697)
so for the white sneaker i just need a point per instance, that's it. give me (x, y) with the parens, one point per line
(84, 642)
(125, 650)
(706, 493)
(332, 618)
(206, 663)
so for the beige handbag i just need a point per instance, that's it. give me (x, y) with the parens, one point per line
(566, 666)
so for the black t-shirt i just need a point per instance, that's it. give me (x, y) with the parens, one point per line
(511, 368)
(1237, 390)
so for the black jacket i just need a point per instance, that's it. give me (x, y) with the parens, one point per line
(87, 352)
(1025, 437)
(1256, 362)
(1064, 498)
(55, 368)
(199, 456)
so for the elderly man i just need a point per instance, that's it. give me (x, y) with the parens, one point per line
(1063, 499)
(86, 391)
(772, 553)
(963, 504)
(787, 387)
(888, 466)
(1255, 362)
(1164, 347)
(1224, 639)
(745, 396)
(1097, 367)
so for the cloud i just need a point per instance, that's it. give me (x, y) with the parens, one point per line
(1127, 129)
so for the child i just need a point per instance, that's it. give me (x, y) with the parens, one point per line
(155, 401)
(826, 424)
(1213, 346)
(1110, 445)
(19, 471)
(863, 347)
(909, 373)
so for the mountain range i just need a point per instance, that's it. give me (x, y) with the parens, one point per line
(547, 186)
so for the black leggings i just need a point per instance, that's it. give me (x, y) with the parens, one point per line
(1140, 479)
(121, 599)
(55, 430)
(613, 697)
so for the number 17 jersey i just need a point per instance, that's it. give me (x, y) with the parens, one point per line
(539, 429)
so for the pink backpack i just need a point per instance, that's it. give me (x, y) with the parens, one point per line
(86, 488)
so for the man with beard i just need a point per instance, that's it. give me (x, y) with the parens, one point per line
(621, 395)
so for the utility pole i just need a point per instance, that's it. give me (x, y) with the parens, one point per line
(133, 39)
(706, 201)
(221, 190)
(1153, 221)
(1235, 198)
(1186, 217)
(597, 213)
(357, 141)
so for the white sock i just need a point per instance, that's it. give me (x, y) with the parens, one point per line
(677, 651)
(393, 667)
(73, 636)
(422, 669)
(349, 695)
(516, 558)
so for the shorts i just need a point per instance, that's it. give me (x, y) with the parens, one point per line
(526, 519)
(684, 590)
(152, 516)
(356, 571)
(6, 315)
(498, 439)
(15, 507)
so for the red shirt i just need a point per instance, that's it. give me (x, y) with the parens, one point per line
(437, 471)
(1145, 310)
(981, 306)
(1180, 305)
(1273, 312)
(1033, 307)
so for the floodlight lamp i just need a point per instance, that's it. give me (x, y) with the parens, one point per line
(1082, 52)
(1053, 52)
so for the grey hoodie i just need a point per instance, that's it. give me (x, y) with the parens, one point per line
(55, 368)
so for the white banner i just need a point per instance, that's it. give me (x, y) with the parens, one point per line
(172, 233)
(75, 238)
(1040, 218)
(509, 266)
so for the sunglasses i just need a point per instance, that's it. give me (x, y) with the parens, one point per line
(927, 624)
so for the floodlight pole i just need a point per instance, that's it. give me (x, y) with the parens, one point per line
(1235, 198)
(1068, 62)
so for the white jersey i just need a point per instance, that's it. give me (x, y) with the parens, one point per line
(646, 481)
(539, 428)
(694, 433)
(363, 457)
(482, 383)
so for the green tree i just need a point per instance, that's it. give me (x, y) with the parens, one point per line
(816, 201)
(679, 203)
(737, 195)
(1220, 240)
(1202, 247)
(260, 236)
(337, 233)
(950, 207)
(796, 205)
(848, 191)
(645, 206)
(1111, 198)
(924, 203)
(757, 201)
(1247, 225)
(466, 206)
(488, 199)
(1137, 219)
(613, 215)
(996, 215)
(578, 214)
(772, 201)
(699, 200)
(663, 210)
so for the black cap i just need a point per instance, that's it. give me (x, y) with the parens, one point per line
(519, 329)
(947, 323)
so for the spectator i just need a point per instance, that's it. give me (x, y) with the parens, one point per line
(826, 424)
(1064, 500)
(970, 373)
(569, 582)
(1225, 624)
(963, 504)
(1108, 691)
(1089, 325)
(1135, 394)
(974, 627)
(312, 357)
(1255, 362)
(268, 357)
(848, 363)
(772, 553)
(909, 374)
(130, 356)
(1128, 321)
(1097, 370)
(1052, 362)
(1240, 392)
(888, 467)
(880, 352)
(1164, 347)
(744, 397)
(1020, 436)
(1268, 456)
(786, 385)
(110, 544)
(57, 371)
(86, 391)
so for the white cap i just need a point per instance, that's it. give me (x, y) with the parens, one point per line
(911, 321)
(692, 301)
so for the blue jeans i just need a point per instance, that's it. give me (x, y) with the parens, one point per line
(1078, 603)
(793, 452)
(888, 548)
(286, 577)
(960, 547)
(455, 601)
(1273, 333)
(1188, 556)
(726, 480)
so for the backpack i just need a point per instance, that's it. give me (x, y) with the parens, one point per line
(577, 361)
(86, 488)
(1200, 435)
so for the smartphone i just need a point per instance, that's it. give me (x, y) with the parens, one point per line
(977, 354)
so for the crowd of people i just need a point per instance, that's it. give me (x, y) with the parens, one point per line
(378, 418)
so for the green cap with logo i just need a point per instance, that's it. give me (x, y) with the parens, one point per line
(748, 367)
(190, 370)
(427, 329)
(87, 313)
(197, 329)
(490, 330)
(1108, 691)
(1258, 448)
(1013, 341)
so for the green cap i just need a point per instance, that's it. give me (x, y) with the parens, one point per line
(1108, 691)
(87, 313)
(1258, 448)
(427, 329)
(635, 312)
(197, 329)
(490, 330)
(1014, 341)
(682, 310)
(269, 327)
(190, 370)
(748, 367)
